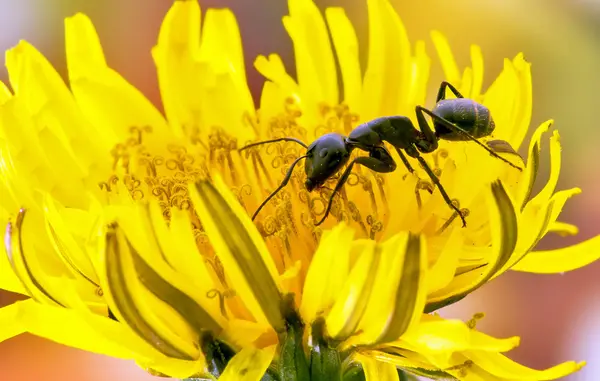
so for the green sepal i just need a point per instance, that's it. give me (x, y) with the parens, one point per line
(270, 375)
(293, 364)
(217, 354)
(325, 363)
(354, 372)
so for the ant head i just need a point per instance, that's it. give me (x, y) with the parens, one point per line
(324, 157)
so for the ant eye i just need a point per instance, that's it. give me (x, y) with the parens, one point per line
(323, 152)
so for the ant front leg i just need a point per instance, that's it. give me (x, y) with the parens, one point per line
(442, 91)
(379, 160)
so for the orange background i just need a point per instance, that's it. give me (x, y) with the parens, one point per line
(555, 315)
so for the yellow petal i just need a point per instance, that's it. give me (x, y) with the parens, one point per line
(70, 141)
(346, 48)
(10, 324)
(125, 288)
(555, 164)
(175, 57)
(378, 370)
(533, 163)
(477, 65)
(410, 361)
(398, 304)
(227, 96)
(443, 270)
(524, 100)
(272, 68)
(8, 278)
(315, 65)
(5, 93)
(47, 115)
(69, 328)
(241, 249)
(444, 51)
(249, 364)
(222, 42)
(33, 275)
(502, 107)
(501, 366)
(104, 96)
(327, 272)
(180, 250)
(243, 333)
(388, 66)
(536, 221)
(64, 244)
(503, 223)
(420, 65)
(352, 302)
(466, 83)
(435, 334)
(563, 229)
(561, 260)
(92, 333)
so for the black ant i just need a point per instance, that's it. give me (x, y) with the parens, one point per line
(459, 119)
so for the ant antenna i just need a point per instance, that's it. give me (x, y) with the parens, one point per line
(275, 141)
(286, 179)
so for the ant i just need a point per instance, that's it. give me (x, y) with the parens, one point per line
(459, 119)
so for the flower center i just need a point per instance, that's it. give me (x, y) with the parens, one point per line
(146, 167)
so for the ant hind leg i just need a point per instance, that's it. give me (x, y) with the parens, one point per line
(436, 181)
(442, 91)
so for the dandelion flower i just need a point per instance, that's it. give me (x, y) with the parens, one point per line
(130, 230)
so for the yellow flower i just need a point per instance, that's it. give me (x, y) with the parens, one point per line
(131, 231)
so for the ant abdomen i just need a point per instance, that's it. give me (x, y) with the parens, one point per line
(465, 113)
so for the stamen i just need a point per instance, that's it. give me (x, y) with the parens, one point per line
(218, 269)
(464, 211)
(229, 293)
(376, 226)
(422, 185)
(356, 217)
(439, 153)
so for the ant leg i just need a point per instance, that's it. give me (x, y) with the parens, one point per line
(379, 160)
(275, 141)
(442, 91)
(428, 141)
(436, 181)
(405, 160)
(286, 179)
(453, 127)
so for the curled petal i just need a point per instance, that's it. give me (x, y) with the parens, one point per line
(241, 249)
(503, 222)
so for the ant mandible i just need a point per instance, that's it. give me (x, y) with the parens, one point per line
(459, 119)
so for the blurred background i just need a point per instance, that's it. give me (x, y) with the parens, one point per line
(557, 316)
